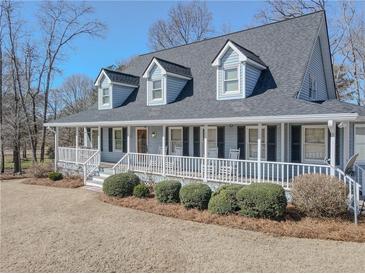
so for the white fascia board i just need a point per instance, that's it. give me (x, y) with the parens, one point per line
(125, 85)
(255, 64)
(102, 73)
(217, 61)
(153, 62)
(318, 118)
(178, 76)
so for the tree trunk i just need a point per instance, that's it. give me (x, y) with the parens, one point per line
(25, 151)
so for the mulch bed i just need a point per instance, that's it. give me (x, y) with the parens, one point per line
(11, 176)
(65, 183)
(292, 226)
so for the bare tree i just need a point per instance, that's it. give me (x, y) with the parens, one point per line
(186, 23)
(2, 153)
(61, 23)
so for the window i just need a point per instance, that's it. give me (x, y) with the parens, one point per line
(230, 80)
(117, 139)
(212, 142)
(314, 143)
(252, 147)
(176, 139)
(359, 146)
(105, 98)
(156, 90)
(312, 87)
(94, 138)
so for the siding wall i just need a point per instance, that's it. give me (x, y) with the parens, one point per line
(316, 70)
(174, 86)
(252, 75)
(120, 94)
(107, 156)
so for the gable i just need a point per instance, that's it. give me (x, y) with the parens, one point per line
(315, 71)
(230, 58)
(156, 72)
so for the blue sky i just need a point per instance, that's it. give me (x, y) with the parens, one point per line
(128, 23)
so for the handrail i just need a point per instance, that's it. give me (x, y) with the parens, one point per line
(95, 157)
(119, 162)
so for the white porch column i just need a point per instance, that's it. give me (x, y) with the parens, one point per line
(56, 149)
(259, 145)
(332, 128)
(282, 142)
(128, 144)
(77, 145)
(205, 153)
(99, 142)
(346, 143)
(163, 150)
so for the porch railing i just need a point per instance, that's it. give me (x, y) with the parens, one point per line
(91, 164)
(74, 155)
(359, 176)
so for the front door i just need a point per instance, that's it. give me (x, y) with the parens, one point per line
(141, 140)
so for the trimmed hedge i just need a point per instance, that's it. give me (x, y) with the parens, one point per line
(195, 195)
(220, 203)
(120, 185)
(168, 191)
(55, 176)
(262, 200)
(141, 191)
(231, 191)
(320, 196)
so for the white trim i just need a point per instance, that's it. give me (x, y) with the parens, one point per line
(357, 126)
(178, 76)
(141, 128)
(181, 137)
(202, 139)
(219, 121)
(153, 62)
(102, 73)
(234, 92)
(124, 85)
(113, 139)
(247, 142)
(314, 161)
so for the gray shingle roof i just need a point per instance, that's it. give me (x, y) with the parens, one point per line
(120, 77)
(174, 68)
(285, 47)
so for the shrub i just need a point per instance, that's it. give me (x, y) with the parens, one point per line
(55, 176)
(317, 195)
(168, 191)
(195, 196)
(220, 203)
(231, 191)
(120, 185)
(262, 200)
(141, 191)
(40, 170)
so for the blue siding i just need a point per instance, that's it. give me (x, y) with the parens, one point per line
(252, 75)
(230, 58)
(174, 87)
(120, 94)
(316, 70)
(107, 156)
(155, 73)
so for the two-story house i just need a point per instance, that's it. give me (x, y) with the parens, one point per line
(253, 105)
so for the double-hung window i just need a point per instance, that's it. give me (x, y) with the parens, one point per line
(156, 89)
(252, 144)
(314, 143)
(105, 98)
(230, 77)
(117, 139)
(359, 141)
(176, 140)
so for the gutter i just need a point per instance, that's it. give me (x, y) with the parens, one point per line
(314, 118)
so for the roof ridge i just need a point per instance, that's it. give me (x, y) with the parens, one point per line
(120, 72)
(235, 32)
(164, 60)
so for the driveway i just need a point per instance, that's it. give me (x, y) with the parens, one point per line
(45, 229)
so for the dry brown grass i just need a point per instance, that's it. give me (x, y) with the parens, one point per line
(11, 176)
(293, 226)
(72, 182)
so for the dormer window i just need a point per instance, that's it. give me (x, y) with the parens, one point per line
(165, 81)
(156, 90)
(105, 96)
(238, 70)
(231, 83)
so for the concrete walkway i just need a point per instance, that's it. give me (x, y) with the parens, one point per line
(47, 229)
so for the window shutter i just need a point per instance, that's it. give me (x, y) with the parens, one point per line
(185, 141)
(110, 137)
(88, 134)
(196, 136)
(296, 155)
(220, 137)
(241, 136)
(124, 136)
(271, 143)
(101, 139)
(167, 140)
